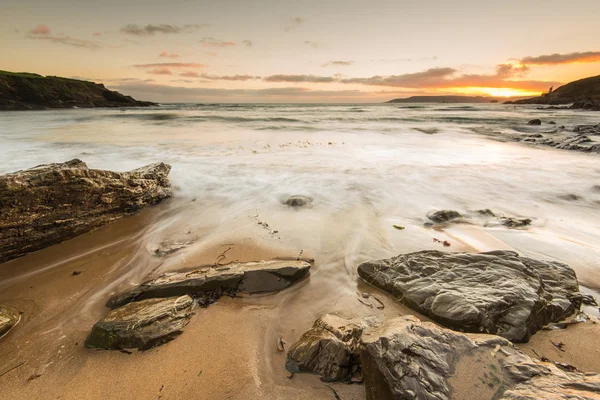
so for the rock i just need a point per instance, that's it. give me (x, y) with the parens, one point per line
(249, 277)
(8, 318)
(443, 216)
(48, 204)
(409, 359)
(166, 248)
(298, 201)
(569, 197)
(512, 222)
(495, 292)
(552, 123)
(587, 104)
(535, 122)
(329, 349)
(595, 188)
(487, 212)
(142, 324)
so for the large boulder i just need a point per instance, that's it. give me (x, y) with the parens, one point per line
(408, 359)
(495, 292)
(248, 277)
(51, 203)
(8, 318)
(329, 349)
(142, 324)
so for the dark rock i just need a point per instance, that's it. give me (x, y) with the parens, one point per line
(587, 104)
(142, 325)
(512, 222)
(595, 188)
(166, 248)
(51, 203)
(495, 292)
(22, 91)
(298, 201)
(569, 197)
(8, 318)
(535, 122)
(487, 212)
(250, 277)
(552, 123)
(443, 216)
(329, 349)
(409, 359)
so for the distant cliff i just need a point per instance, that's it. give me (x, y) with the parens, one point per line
(24, 91)
(584, 94)
(444, 99)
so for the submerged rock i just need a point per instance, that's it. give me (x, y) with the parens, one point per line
(329, 349)
(8, 318)
(495, 292)
(443, 216)
(249, 277)
(298, 201)
(409, 359)
(48, 204)
(142, 324)
(534, 122)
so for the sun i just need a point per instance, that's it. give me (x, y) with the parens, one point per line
(496, 92)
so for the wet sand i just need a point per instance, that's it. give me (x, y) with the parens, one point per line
(228, 350)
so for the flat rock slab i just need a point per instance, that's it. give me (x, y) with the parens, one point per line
(329, 349)
(495, 292)
(8, 319)
(48, 204)
(142, 324)
(408, 359)
(248, 277)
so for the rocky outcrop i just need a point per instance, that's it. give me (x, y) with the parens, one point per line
(23, 91)
(329, 349)
(142, 325)
(583, 93)
(8, 319)
(409, 359)
(48, 204)
(495, 292)
(249, 277)
(582, 138)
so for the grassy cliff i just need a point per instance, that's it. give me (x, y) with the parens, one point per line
(26, 91)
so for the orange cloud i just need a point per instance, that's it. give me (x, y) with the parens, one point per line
(300, 78)
(170, 65)
(554, 59)
(212, 42)
(190, 74)
(40, 30)
(159, 71)
(164, 54)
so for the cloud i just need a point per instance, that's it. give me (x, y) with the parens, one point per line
(212, 42)
(96, 34)
(299, 78)
(293, 23)
(190, 74)
(165, 54)
(159, 71)
(149, 30)
(170, 65)
(312, 44)
(248, 43)
(338, 63)
(40, 30)
(70, 41)
(229, 77)
(554, 59)
(428, 78)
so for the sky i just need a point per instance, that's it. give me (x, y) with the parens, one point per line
(304, 50)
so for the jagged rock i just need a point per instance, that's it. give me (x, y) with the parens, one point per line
(443, 216)
(409, 359)
(8, 319)
(512, 222)
(486, 212)
(495, 292)
(51, 203)
(142, 324)
(329, 349)
(249, 277)
(535, 122)
(298, 201)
